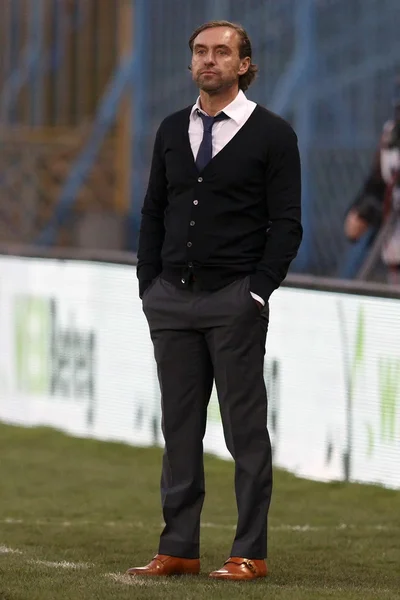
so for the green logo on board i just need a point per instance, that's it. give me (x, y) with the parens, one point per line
(52, 358)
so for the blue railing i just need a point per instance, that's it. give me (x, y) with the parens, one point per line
(129, 77)
(81, 167)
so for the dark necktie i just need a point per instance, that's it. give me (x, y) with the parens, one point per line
(204, 154)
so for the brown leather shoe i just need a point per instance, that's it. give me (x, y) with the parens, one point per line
(241, 569)
(162, 564)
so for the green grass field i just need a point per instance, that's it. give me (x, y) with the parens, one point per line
(75, 514)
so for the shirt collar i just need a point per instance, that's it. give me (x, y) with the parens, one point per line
(236, 110)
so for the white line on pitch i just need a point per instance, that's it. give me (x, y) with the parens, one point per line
(206, 525)
(63, 564)
(136, 581)
(150, 582)
(7, 550)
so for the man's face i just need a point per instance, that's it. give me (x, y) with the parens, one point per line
(215, 60)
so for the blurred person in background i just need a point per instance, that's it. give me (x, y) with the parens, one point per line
(220, 227)
(378, 203)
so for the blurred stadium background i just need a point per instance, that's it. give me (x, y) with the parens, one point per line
(85, 83)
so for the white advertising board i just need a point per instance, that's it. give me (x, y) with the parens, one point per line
(75, 354)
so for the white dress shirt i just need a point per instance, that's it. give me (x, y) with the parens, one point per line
(238, 111)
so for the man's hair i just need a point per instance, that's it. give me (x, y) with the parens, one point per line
(244, 48)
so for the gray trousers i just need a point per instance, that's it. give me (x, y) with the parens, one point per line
(199, 336)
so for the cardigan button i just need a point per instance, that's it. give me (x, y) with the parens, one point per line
(200, 179)
(189, 244)
(195, 202)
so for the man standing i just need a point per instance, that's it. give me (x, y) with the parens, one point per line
(220, 226)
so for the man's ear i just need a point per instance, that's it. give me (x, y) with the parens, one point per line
(244, 67)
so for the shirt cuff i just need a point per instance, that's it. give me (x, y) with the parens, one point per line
(258, 298)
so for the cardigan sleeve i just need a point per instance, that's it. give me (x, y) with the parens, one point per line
(152, 231)
(283, 195)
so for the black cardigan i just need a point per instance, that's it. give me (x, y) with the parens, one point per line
(239, 216)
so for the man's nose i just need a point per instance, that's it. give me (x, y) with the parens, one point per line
(209, 59)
